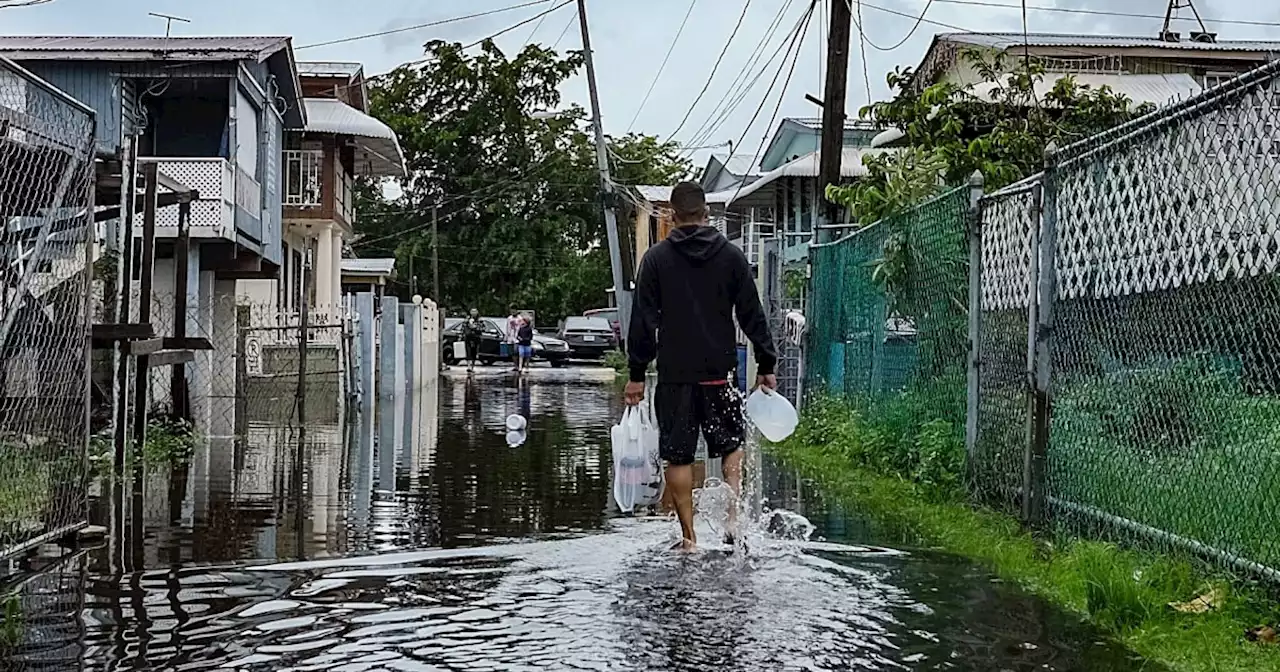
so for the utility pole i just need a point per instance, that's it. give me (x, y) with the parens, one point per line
(435, 258)
(621, 293)
(435, 284)
(831, 151)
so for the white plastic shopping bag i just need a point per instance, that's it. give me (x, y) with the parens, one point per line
(637, 469)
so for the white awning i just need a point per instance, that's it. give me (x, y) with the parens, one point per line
(377, 148)
(1159, 90)
(851, 165)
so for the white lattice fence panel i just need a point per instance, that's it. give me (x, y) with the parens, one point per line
(1008, 222)
(1184, 203)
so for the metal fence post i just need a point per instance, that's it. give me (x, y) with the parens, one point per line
(1033, 484)
(976, 183)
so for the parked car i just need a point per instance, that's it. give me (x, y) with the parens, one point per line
(610, 314)
(588, 337)
(545, 348)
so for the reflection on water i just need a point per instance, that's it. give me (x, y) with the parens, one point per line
(467, 553)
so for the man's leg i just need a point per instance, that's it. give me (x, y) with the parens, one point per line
(680, 481)
(725, 428)
(678, 446)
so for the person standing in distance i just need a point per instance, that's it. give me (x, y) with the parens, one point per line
(472, 335)
(688, 290)
(509, 346)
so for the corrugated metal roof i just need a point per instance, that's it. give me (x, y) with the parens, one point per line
(1157, 89)
(654, 193)
(329, 69)
(369, 266)
(815, 123)
(1009, 40)
(378, 148)
(851, 165)
(19, 47)
(741, 165)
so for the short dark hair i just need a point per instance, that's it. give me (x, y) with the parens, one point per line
(689, 203)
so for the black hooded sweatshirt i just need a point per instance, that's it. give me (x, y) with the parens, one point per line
(688, 288)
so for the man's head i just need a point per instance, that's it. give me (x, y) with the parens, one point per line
(689, 204)
(511, 310)
(474, 313)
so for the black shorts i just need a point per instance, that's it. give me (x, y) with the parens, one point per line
(685, 410)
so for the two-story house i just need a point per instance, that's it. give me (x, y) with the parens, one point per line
(211, 114)
(339, 143)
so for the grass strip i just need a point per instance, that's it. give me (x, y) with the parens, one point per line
(1127, 593)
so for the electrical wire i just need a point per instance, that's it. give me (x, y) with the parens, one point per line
(661, 68)
(420, 26)
(527, 21)
(797, 43)
(862, 48)
(919, 20)
(744, 82)
(1103, 12)
(572, 20)
(533, 33)
(715, 68)
(420, 61)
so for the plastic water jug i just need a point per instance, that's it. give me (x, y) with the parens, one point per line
(772, 414)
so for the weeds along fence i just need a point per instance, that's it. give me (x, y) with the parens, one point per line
(46, 229)
(1124, 312)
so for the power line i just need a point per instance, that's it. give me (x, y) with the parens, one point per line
(420, 26)
(858, 20)
(862, 43)
(527, 21)
(663, 67)
(744, 82)
(701, 134)
(720, 59)
(797, 42)
(1102, 12)
(572, 20)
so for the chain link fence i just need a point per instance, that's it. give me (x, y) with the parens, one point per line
(888, 327)
(250, 375)
(1123, 381)
(46, 231)
(1161, 241)
(1009, 247)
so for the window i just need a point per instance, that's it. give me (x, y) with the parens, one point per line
(247, 137)
(1212, 79)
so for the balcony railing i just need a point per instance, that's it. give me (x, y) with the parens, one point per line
(213, 214)
(302, 177)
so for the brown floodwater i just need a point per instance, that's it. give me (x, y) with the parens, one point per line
(421, 540)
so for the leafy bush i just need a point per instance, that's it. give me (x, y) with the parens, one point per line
(169, 441)
(616, 360)
(892, 436)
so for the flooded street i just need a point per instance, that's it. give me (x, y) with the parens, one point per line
(468, 554)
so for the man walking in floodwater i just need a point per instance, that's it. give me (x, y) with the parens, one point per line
(688, 289)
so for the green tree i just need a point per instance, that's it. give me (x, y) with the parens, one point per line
(517, 193)
(951, 131)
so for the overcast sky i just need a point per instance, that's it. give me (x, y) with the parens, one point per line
(630, 37)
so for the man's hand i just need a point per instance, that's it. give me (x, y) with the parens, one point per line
(770, 381)
(634, 393)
